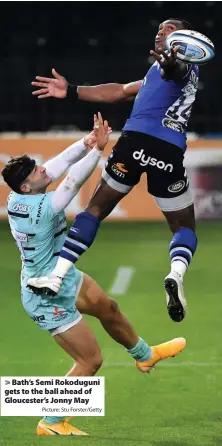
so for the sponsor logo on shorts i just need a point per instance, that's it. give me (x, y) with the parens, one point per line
(144, 161)
(176, 187)
(119, 169)
(39, 318)
(58, 315)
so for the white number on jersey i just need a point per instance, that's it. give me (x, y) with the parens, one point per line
(181, 109)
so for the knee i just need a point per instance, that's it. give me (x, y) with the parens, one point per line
(96, 362)
(114, 308)
(110, 310)
(90, 365)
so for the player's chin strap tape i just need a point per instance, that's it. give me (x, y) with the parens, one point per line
(25, 170)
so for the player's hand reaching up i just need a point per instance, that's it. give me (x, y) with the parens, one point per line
(99, 135)
(166, 60)
(102, 131)
(51, 87)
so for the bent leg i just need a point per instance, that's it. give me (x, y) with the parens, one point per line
(80, 343)
(92, 300)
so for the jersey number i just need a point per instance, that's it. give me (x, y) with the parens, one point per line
(180, 110)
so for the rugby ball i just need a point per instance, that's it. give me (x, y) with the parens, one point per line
(194, 46)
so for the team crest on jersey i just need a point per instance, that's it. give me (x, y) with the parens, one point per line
(176, 187)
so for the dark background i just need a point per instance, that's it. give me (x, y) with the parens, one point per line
(92, 43)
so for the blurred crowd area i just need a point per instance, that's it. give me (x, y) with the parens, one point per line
(91, 43)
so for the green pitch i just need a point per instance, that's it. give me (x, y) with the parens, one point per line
(180, 402)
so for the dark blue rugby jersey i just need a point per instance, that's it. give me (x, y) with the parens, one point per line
(162, 108)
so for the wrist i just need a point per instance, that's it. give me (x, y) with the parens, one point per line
(84, 141)
(72, 91)
(99, 149)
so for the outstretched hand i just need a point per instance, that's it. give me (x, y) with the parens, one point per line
(51, 87)
(166, 60)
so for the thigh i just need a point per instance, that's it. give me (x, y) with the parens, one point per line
(92, 300)
(51, 313)
(79, 342)
(104, 200)
(167, 178)
(122, 171)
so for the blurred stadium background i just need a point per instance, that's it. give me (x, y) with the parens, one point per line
(91, 43)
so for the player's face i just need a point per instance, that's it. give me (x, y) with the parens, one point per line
(37, 181)
(165, 29)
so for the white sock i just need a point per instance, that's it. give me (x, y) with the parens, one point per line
(62, 267)
(178, 267)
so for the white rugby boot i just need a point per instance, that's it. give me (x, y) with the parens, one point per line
(176, 301)
(49, 285)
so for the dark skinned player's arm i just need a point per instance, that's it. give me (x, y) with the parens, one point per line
(108, 92)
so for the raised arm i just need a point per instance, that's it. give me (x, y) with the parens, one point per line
(81, 171)
(58, 87)
(171, 68)
(58, 165)
(107, 92)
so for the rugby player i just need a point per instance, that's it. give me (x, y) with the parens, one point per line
(38, 225)
(153, 140)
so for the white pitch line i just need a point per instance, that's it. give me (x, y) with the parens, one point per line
(166, 364)
(122, 280)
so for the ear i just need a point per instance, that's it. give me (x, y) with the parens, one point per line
(25, 188)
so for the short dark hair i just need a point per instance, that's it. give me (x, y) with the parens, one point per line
(186, 25)
(17, 170)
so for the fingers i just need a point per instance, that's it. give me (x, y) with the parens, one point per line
(156, 55)
(100, 118)
(106, 126)
(48, 95)
(96, 122)
(45, 79)
(55, 74)
(175, 49)
(40, 84)
(40, 92)
(164, 55)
